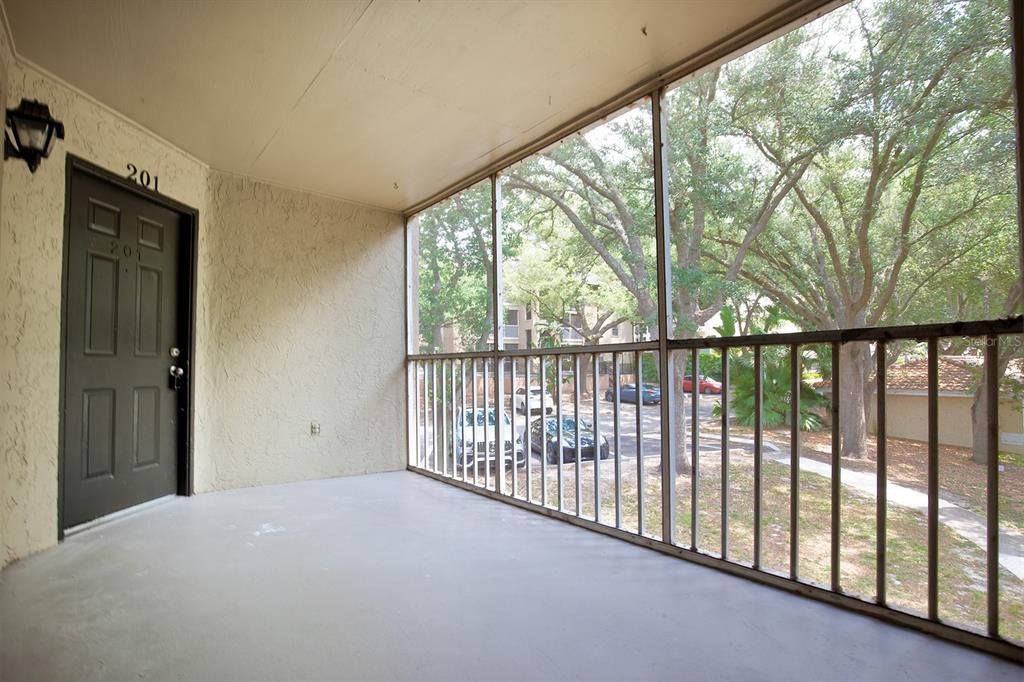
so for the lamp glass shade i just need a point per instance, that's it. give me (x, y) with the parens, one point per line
(50, 141)
(31, 134)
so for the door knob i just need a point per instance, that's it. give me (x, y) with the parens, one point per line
(176, 371)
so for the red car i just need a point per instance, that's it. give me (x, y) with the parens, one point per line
(706, 385)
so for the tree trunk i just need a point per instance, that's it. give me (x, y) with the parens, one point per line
(979, 410)
(979, 425)
(854, 365)
(683, 464)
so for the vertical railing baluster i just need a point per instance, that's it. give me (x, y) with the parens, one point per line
(416, 425)
(499, 424)
(487, 423)
(476, 436)
(512, 411)
(933, 478)
(597, 440)
(881, 474)
(444, 417)
(640, 522)
(576, 444)
(795, 375)
(527, 436)
(695, 454)
(992, 480)
(461, 415)
(725, 453)
(758, 419)
(543, 431)
(434, 435)
(836, 469)
(558, 429)
(616, 424)
(426, 411)
(452, 411)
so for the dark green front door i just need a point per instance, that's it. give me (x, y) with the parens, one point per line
(121, 335)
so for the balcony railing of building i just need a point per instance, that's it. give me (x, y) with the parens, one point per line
(596, 457)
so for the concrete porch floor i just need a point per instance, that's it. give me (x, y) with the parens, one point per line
(397, 577)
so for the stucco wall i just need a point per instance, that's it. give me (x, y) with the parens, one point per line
(5, 61)
(906, 416)
(307, 309)
(300, 317)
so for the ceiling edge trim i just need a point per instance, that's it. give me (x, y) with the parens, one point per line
(28, 64)
(786, 17)
(300, 190)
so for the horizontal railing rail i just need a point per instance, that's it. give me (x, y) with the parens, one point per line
(582, 459)
(1011, 325)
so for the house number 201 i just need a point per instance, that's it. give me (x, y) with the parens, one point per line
(143, 177)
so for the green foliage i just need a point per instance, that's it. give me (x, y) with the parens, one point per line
(777, 397)
(454, 265)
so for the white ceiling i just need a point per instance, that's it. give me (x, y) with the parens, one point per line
(351, 98)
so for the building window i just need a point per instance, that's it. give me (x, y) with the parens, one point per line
(511, 327)
(569, 329)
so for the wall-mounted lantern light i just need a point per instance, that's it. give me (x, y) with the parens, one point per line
(31, 133)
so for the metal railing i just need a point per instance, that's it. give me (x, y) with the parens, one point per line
(465, 429)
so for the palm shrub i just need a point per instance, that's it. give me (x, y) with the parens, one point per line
(776, 394)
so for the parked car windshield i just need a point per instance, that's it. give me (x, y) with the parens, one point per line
(568, 424)
(480, 418)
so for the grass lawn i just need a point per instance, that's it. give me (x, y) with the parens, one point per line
(962, 589)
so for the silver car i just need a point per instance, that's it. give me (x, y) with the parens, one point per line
(475, 439)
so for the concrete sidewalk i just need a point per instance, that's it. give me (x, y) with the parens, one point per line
(966, 523)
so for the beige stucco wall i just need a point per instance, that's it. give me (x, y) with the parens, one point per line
(300, 317)
(307, 309)
(5, 60)
(906, 416)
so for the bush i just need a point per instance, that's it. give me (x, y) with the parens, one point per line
(776, 394)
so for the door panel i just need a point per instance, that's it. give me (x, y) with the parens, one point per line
(122, 318)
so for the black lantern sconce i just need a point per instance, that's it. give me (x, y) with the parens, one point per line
(31, 132)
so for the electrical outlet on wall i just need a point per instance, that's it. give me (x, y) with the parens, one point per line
(314, 428)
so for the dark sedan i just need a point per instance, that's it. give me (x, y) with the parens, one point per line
(650, 394)
(550, 436)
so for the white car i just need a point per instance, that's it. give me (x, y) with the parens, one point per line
(477, 444)
(535, 400)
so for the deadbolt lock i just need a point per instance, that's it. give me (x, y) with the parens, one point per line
(175, 352)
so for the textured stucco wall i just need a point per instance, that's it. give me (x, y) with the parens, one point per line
(906, 416)
(299, 318)
(31, 240)
(5, 60)
(307, 309)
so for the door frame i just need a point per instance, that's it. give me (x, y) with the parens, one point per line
(188, 263)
